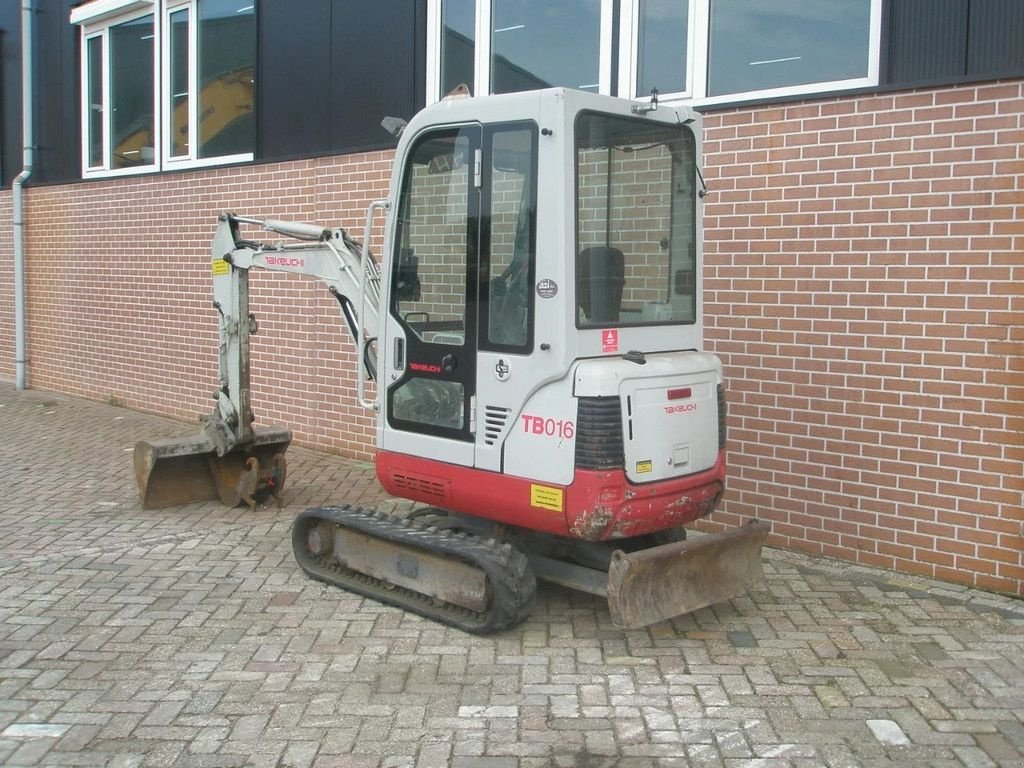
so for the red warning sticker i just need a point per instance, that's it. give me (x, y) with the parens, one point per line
(610, 341)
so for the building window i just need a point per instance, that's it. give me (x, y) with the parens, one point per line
(458, 49)
(178, 101)
(131, 135)
(539, 44)
(715, 51)
(502, 46)
(770, 45)
(93, 101)
(166, 84)
(704, 51)
(662, 45)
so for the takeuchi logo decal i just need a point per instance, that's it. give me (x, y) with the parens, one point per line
(684, 408)
(425, 367)
(284, 261)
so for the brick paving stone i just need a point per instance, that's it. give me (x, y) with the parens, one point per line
(188, 637)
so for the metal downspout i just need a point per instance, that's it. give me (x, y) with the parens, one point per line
(17, 194)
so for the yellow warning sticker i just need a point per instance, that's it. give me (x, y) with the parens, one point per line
(644, 466)
(219, 267)
(545, 497)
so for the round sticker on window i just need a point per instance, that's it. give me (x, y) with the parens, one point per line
(546, 288)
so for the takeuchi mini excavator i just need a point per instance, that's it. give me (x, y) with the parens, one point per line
(534, 330)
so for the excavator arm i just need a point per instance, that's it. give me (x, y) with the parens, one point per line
(329, 255)
(215, 463)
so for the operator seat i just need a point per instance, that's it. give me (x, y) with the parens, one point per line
(600, 275)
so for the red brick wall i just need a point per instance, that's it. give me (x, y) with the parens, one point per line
(864, 286)
(6, 289)
(119, 294)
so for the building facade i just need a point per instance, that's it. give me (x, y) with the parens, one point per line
(864, 227)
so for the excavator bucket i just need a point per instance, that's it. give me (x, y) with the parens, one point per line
(662, 582)
(182, 470)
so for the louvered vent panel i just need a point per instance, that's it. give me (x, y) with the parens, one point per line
(420, 486)
(599, 433)
(495, 419)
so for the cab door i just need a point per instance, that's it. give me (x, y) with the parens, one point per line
(430, 358)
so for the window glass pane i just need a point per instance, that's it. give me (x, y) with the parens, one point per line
(513, 213)
(179, 96)
(429, 286)
(458, 35)
(131, 93)
(94, 63)
(635, 220)
(541, 43)
(430, 402)
(227, 53)
(661, 61)
(760, 44)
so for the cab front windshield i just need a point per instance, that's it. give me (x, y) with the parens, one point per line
(635, 222)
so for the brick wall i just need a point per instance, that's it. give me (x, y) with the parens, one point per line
(119, 294)
(864, 286)
(6, 289)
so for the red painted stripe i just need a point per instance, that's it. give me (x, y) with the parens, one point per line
(598, 505)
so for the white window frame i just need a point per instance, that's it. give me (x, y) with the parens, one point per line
(95, 19)
(482, 49)
(105, 15)
(698, 46)
(698, 49)
(629, 48)
(190, 160)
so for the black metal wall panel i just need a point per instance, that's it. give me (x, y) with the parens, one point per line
(327, 75)
(58, 135)
(56, 121)
(293, 78)
(995, 40)
(10, 92)
(927, 40)
(376, 69)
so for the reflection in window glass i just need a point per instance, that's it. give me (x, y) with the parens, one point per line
(94, 64)
(431, 402)
(512, 216)
(178, 97)
(776, 43)
(661, 61)
(227, 52)
(131, 93)
(432, 234)
(636, 222)
(537, 43)
(458, 35)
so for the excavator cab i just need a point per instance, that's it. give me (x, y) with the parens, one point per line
(554, 233)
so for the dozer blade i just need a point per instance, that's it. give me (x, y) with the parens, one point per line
(662, 582)
(182, 470)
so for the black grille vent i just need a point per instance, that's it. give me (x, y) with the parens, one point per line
(599, 433)
(722, 414)
(494, 422)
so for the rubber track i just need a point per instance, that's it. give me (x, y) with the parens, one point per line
(509, 577)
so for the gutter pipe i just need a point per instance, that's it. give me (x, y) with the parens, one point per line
(17, 193)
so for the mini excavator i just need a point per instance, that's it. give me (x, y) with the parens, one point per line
(534, 332)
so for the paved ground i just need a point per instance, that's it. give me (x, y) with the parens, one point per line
(188, 637)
